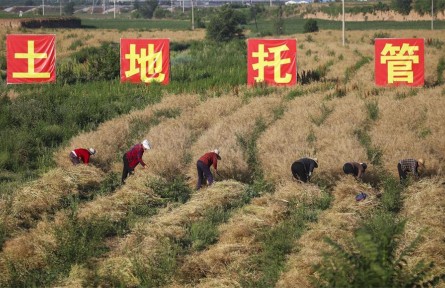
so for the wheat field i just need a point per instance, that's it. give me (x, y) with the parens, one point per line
(315, 123)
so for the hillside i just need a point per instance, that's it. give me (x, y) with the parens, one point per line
(256, 227)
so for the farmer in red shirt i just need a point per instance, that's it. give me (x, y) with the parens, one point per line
(81, 154)
(133, 157)
(203, 165)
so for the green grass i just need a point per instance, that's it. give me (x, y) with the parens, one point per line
(296, 25)
(140, 24)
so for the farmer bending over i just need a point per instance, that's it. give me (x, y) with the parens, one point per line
(133, 157)
(356, 169)
(81, 155)
(203, 165)
(409, 165)
(302, 169)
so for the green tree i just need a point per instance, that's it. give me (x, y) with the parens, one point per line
(278, 22)
(401, 6)
(68, 8)
(255, 10)
(148, 8)
(310, 26)
(225, 25)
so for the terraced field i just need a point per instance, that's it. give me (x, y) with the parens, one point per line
(256, 226)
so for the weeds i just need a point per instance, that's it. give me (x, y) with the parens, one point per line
(374, 154)
(325, 112)
(175, 190)
(372, 108)
(279, 241)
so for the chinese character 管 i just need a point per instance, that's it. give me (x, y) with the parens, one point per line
(399, 61)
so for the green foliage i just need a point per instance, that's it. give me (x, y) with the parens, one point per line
(391, 200)
(248, 145)
(440, 70)
(205, 232)
(294, 94)
(156, 271)
(310, 26)
(325, 112)
(276, 243)
(75, 44)
(372, 107)
(402, 6)
(351, 70)
(175, 190)
(225, 25)
(147, 8)
(375, 257)
(161, 13)
(90, 64)
(68, 8)
(278, 21)
(374, 153)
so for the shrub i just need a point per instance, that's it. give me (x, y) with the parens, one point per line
(225, 25)
(310, 26)
(375, 257)
(175, 190)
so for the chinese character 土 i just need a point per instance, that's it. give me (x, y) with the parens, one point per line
(400, 60)
(276, 63)
(31, 56)
(148, 64)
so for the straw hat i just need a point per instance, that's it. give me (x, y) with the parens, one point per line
(421, 162)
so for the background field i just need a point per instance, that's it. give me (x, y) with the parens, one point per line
(65, 226)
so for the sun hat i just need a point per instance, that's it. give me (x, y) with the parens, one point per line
(421, 162)
(92, 151)
(146, 144)
(216, 151)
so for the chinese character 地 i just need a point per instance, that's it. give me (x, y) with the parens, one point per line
(147, 58)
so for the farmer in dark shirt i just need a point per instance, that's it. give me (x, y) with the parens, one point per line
(133, 157)
(302, 169)
(409, 165)
(203, 165)
(81, 155)
(356, 169)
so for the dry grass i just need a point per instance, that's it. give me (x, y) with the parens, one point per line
(423, 207)
(45, 195)
(287, 137)
(337, 223)
(226, 261)
(414, 116)
(107, 142)
(224, 133)
(172, 140)
(145, 241)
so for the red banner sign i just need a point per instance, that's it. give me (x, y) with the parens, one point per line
(272, 61)
(30, 58)
(145, 60)
(399, 62)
